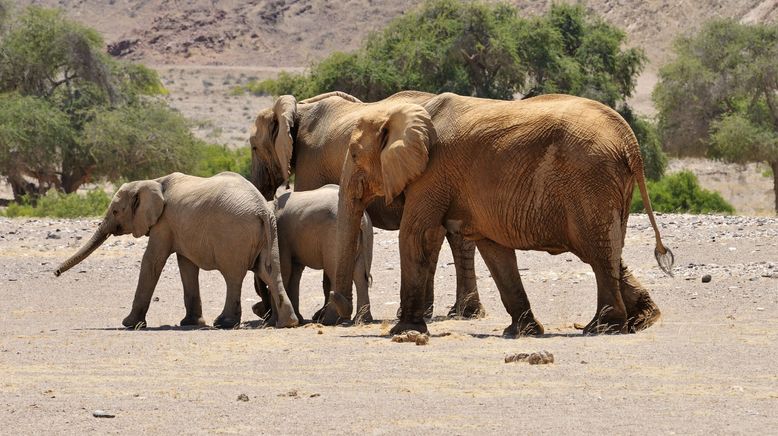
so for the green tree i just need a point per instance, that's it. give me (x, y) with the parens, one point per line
(59, 89)
(486, 50)
(719, 97)
(32, 135)
(139, 141)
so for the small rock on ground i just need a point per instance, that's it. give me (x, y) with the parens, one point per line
(102, 414)
(412, 336)
(538, 358)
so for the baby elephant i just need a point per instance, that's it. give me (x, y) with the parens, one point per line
(220, 222)
(307, 226)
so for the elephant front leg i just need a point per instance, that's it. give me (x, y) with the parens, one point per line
(418, 249)
(151, 267)
(468, 303)
(190, 279)
(501, 262)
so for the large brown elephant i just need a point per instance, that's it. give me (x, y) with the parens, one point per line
(553, 173)
(310, 138)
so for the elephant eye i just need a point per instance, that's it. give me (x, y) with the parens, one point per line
(115, 212)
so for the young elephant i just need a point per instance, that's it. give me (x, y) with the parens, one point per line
(221, 223)
(307, 225)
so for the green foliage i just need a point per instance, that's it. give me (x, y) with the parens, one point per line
(485, 50)
(32, 133)
(480, 49)
(285, 83)
(724, 77)
(139, 142)
(720, 96)
(56, 204)
(654, 159)
(213, 159)
(59, 90)
(736, 138)
(681, 192)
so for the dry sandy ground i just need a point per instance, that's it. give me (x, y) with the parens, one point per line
(707, 367)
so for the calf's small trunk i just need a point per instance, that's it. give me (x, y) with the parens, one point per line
(100, 235)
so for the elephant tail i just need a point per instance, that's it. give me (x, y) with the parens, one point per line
(664, 257)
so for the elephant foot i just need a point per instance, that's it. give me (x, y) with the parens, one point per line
(606, 323)
(469, 311)
(226, 322)
(341, 304)
(260, 310)
(643, 314)
(134, 323)
(192, 321)
(363, 316)
(288, 321)
(319, 314)
(404, 326)
(527, 325)
(328, 315)
(427, 313)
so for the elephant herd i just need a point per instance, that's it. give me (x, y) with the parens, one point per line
(553, 173)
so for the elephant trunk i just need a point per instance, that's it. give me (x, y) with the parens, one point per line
(100, 235)
(350, 213)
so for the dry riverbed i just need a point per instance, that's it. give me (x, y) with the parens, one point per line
(707, 366)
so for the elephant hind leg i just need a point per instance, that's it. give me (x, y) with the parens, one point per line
(362, 284)
(263, 308)
(230, 316)
(293, 288)
(642, 312)
(611, 315)
(326, 285)
(190, 279)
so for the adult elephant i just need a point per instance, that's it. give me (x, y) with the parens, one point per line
(553, 173)
(310, 138)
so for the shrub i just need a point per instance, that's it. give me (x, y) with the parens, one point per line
(214, 159)
(59, 205)
(479, 48)
(681, 192)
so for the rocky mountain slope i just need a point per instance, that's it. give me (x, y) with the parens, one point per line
(296, 32)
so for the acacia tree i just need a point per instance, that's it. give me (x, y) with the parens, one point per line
(719, 97)
(55, 81)
(487, 50)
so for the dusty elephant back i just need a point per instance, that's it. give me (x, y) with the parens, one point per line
(235, 208)
(536, 170)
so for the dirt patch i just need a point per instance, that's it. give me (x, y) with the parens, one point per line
(63, 355)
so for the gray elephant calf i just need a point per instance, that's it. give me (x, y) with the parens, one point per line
(221, 222)
(307, 225)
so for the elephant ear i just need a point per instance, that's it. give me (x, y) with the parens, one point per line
(147, 205)
(406, 137)
(285, 110)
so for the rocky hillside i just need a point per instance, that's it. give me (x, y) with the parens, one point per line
(296, 32)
